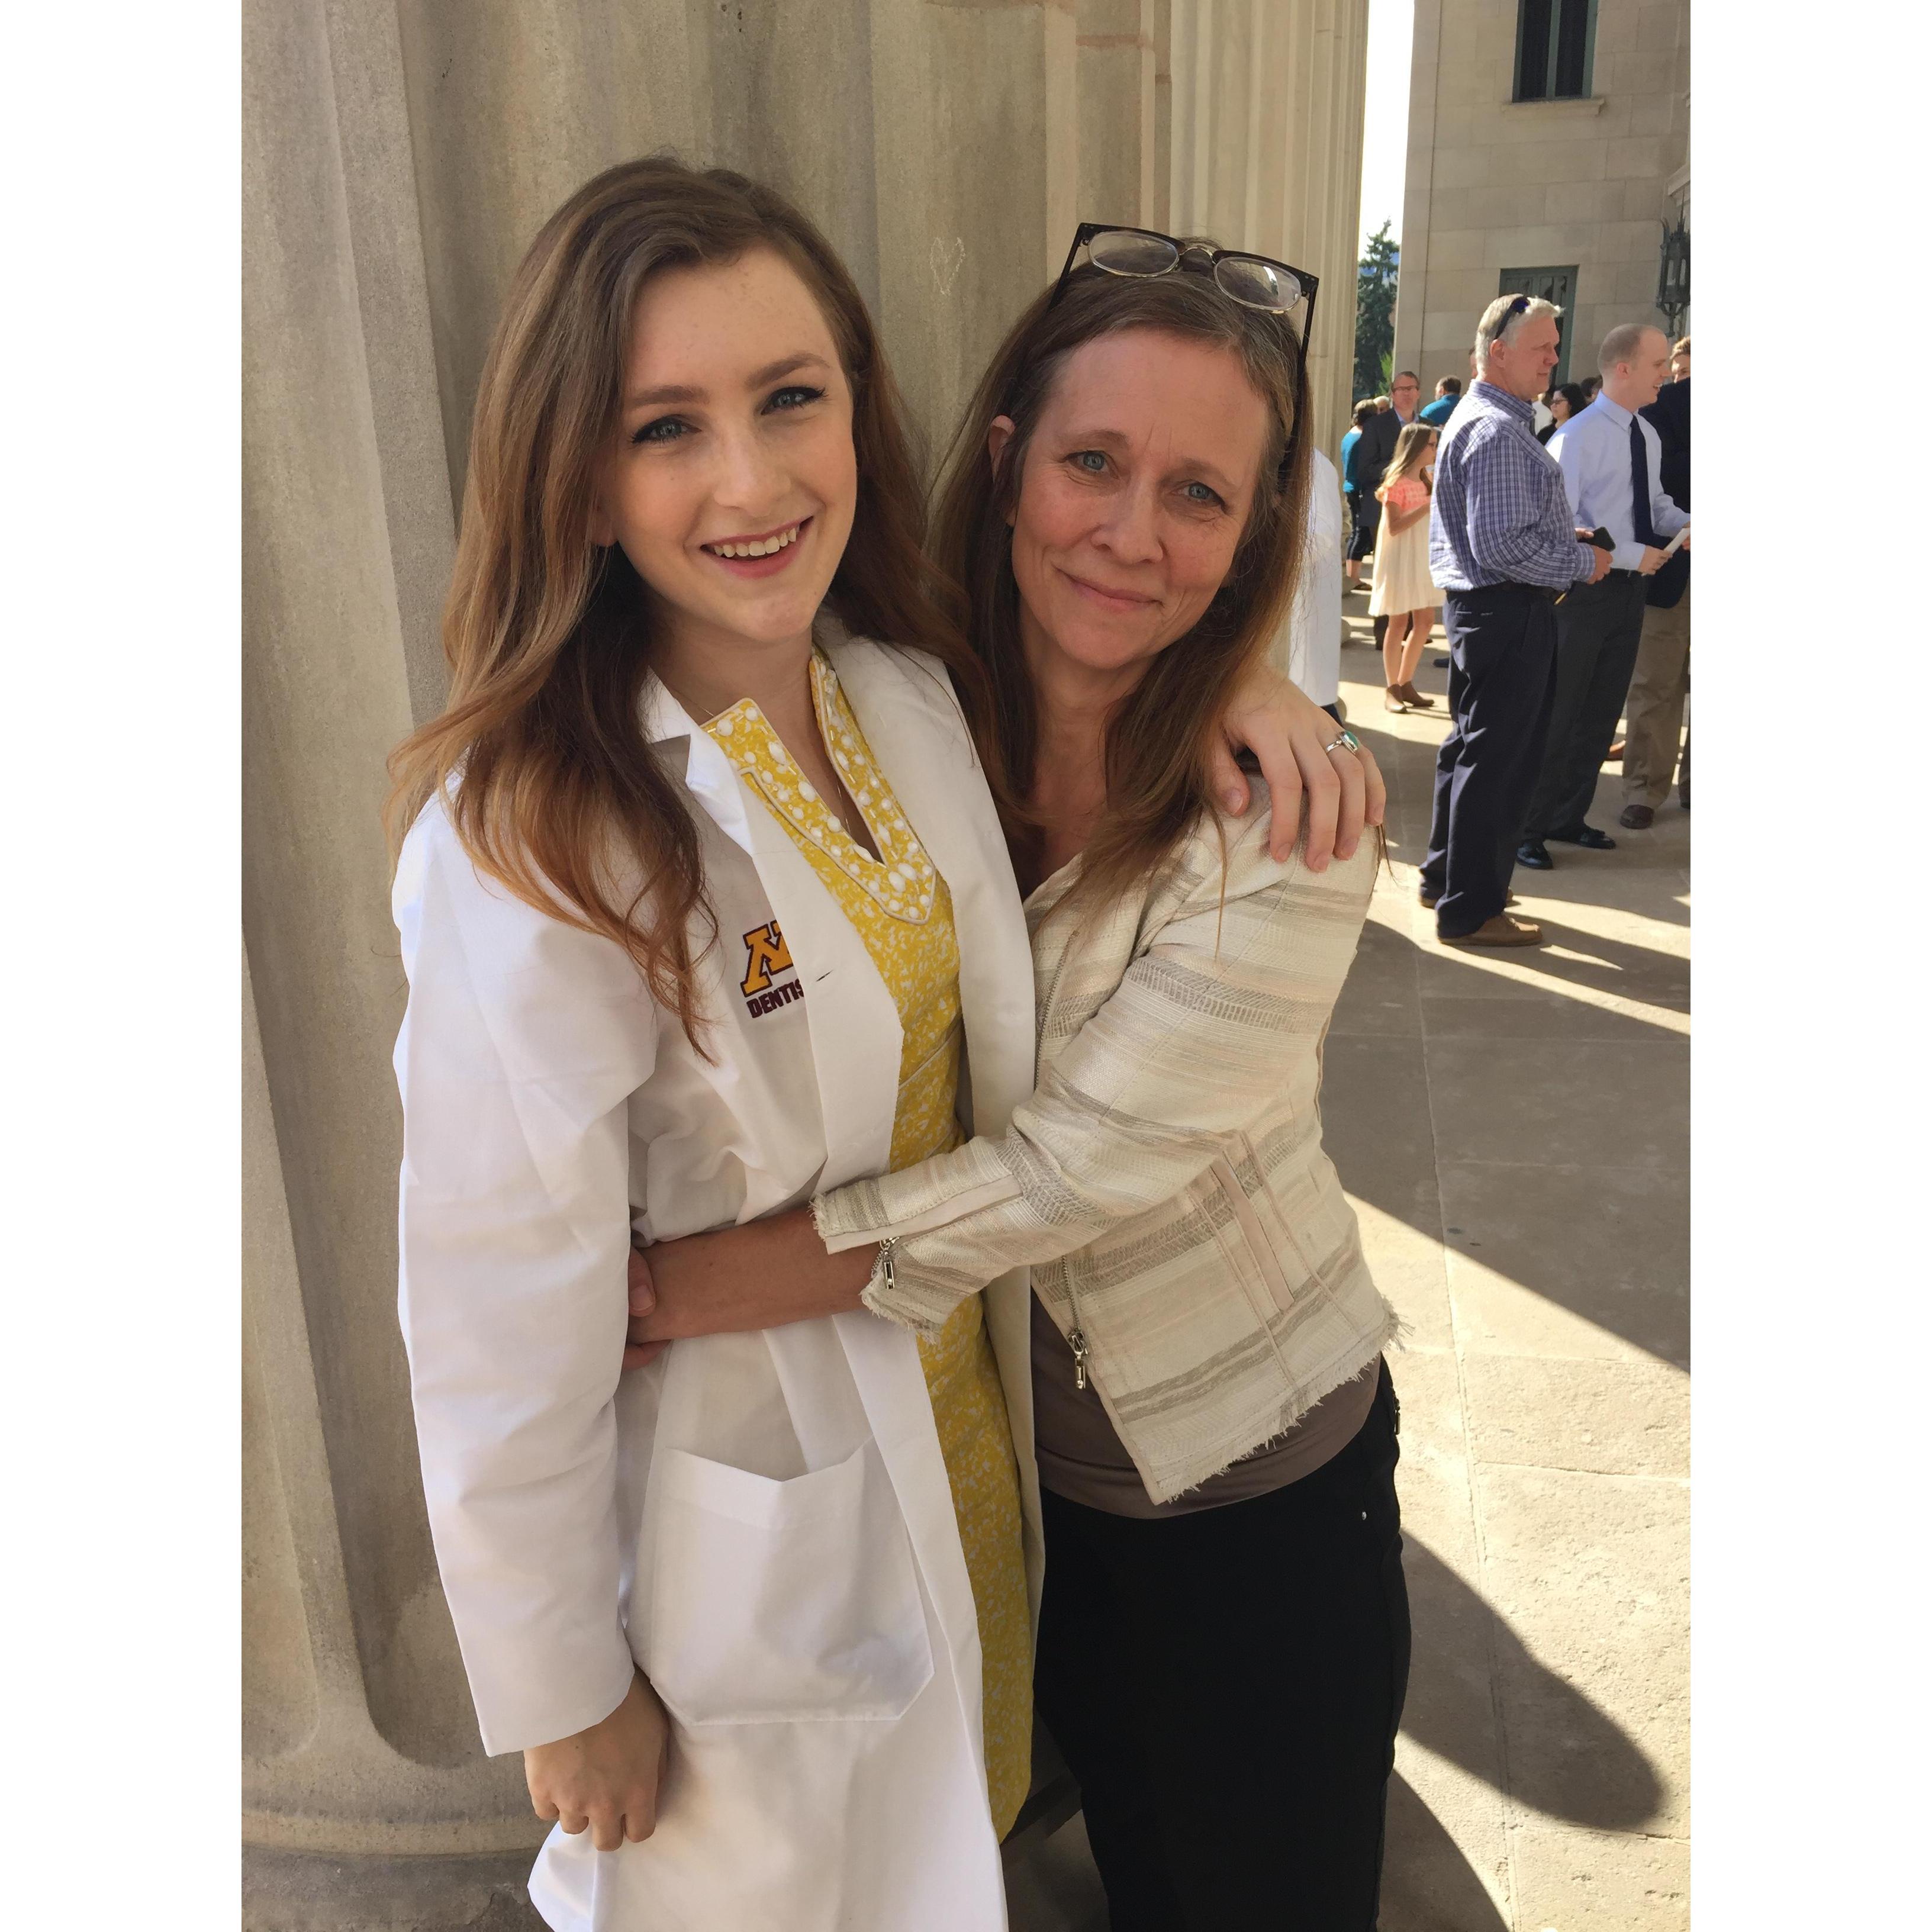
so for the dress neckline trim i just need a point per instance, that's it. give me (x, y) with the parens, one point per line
(901, 880)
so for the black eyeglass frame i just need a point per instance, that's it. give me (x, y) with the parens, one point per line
(1185, 252)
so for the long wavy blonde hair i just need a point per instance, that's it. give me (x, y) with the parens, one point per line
(546, 778)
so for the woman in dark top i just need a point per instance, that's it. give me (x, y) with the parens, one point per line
(1563, 402)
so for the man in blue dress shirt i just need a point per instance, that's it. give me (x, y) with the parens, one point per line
(1503, 545)
(1609, 456)
(1448, 393)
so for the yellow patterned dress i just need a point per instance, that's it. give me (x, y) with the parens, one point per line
(901, 907)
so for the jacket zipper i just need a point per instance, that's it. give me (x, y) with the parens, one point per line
(1077, 1341)
(1076, 1338)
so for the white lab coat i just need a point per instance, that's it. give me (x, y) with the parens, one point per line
(762, 1521)
(1307, 649)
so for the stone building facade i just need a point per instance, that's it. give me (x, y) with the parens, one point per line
(399, 154)
(1549, 145)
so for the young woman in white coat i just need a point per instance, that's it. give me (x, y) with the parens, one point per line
(1223, 1651)
(705, 906)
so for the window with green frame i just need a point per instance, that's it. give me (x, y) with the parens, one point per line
(1557, 285)
(1554, 42)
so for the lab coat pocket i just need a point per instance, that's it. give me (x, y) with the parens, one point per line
(783, 1601)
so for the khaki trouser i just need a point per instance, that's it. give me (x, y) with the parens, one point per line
(1654, 712)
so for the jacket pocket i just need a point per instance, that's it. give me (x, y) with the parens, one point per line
(783, 1601)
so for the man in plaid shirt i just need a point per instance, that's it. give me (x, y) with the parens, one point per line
(1502, 545)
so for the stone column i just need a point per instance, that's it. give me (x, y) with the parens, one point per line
(1116, 70)
(1160, 14)
(1265, 152)
(359, 1743)
(1419, 189)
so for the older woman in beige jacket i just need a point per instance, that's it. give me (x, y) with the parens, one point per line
(1224, 1637)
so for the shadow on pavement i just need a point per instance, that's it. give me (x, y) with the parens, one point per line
(1428, 1885)
(1440, 1077)
(1586, 1770)
(1607, 965)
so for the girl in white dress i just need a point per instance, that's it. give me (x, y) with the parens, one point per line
(1402, 590)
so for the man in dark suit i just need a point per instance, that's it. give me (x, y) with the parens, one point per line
(1661, 683)
(1373, 452)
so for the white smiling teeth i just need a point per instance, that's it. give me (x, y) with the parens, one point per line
(764, 546)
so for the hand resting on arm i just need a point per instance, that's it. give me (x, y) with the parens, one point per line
(762, 1275)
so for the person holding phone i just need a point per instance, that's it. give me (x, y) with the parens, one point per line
(1608, 455)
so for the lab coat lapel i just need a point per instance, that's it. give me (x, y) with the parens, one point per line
(852, 1018)
(920, 743)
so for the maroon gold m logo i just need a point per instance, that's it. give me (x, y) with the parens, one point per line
(765, 953)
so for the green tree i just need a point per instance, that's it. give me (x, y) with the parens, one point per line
(1375, 312)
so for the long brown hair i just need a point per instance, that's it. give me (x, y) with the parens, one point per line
(548, 637)
(1158, 738)
(1410, 447)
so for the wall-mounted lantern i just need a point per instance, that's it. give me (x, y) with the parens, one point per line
(1673, 274)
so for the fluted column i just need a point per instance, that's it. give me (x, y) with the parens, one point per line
(1265, 152)
(1116, 55)
(1419, 187)
(976, 140)
(1332, 351)
(513, 103)
(1160, 18)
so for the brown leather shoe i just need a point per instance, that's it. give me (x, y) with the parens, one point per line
(1636, 817)
(1393, 699)
(1501, 931)
(1409, 694)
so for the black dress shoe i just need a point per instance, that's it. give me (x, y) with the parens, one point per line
(1585, 835)
(1441, 664)
(1532, 853)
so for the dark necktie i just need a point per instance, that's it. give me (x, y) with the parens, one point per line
(1645, 530)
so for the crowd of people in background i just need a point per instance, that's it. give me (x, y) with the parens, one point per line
(1549, 526)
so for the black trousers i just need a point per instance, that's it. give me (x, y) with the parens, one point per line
(1599, 627)
(1226, 1687)
(1368, 521)
(1502, 658)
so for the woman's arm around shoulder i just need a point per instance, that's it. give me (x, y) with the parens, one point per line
(1239, 976)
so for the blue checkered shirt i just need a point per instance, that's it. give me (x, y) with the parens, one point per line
(1500, 514)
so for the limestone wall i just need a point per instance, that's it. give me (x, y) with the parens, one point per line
(398, 157)
(1494, 184)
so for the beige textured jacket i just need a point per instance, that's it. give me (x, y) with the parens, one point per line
(1166, 1181)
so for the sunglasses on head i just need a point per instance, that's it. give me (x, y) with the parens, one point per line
(1254, 281)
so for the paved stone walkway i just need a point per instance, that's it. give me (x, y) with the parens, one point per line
(1513, 1130)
